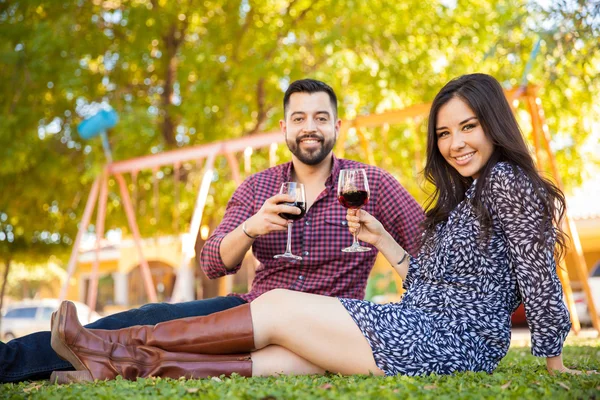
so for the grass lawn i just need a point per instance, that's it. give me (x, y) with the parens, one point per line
(519, 376)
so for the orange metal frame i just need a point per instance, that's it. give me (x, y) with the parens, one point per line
(229, 148)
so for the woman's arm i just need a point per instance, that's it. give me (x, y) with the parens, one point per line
(370, 230)
(519, 209)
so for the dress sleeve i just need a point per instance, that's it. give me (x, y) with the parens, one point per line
(239, 208)
(519, 210)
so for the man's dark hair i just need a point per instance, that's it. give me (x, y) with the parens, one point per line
(309, 86)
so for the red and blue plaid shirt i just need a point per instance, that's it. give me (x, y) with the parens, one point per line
(318, 237)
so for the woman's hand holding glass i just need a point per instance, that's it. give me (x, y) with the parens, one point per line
(353, 193)
(367, 227)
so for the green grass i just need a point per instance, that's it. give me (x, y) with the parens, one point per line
(519, 375)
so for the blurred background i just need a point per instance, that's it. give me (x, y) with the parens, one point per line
(186, 73)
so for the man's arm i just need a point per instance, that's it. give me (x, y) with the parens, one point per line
(209, 255)
(224, 251)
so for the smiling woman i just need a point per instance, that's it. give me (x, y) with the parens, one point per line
(461, 139)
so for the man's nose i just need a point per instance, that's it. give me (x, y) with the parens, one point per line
(310, 125)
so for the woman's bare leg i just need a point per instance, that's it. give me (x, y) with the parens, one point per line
(275, 360)
(316, 328)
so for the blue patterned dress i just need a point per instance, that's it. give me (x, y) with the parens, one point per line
(455, 314)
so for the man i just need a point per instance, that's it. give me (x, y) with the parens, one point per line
(310, 126)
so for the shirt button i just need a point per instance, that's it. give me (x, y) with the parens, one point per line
(307, 222)
(301, 277)
(306, 253)
(344, 222)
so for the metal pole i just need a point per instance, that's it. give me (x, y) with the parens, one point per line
(580, 263)
(144, 268)
(184, 288)
(85, 221)
(100, 218)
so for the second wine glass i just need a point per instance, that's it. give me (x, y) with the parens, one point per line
(296, 190)
(353, 193)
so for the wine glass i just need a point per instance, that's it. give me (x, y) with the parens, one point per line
(353, 193)
(296, 190)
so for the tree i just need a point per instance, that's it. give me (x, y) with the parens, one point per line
(189, 72)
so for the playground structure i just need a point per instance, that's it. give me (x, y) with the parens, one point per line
(184, 286)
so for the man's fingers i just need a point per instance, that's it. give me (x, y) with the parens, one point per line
(277, 222)
(278, 227)
(281, 198)
(284, 208)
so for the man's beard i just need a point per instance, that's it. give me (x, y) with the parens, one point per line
(310, 157)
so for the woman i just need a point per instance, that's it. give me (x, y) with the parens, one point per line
(489, 244)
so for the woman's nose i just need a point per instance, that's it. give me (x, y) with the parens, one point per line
(457, 142)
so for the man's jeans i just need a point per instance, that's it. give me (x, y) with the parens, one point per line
(31, 357)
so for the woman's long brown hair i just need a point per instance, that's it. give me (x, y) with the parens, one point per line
(484, 95)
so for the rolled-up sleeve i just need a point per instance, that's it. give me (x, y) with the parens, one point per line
(521, 215)
(239, 208)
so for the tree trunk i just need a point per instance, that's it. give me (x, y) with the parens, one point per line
(3, 289)
(172, 41)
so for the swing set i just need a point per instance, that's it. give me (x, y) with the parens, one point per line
(525, 96)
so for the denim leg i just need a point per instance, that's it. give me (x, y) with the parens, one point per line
(31, 357)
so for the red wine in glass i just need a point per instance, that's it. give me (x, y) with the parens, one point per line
(353, 193)
(354, 199)
(295, 217)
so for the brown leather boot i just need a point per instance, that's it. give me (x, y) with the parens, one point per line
(94, 358)
(224, 332)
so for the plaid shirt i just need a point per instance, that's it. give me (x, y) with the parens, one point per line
(318, 237)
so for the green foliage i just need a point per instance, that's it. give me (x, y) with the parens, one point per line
(518, 376)
(186, 73)
(380, 284)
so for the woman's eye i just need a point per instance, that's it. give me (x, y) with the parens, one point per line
(442, 134)
(468, 127)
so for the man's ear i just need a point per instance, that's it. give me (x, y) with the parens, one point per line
(282, 126)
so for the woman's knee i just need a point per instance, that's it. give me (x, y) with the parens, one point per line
(272, 313)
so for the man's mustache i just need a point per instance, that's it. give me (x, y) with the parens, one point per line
(315, 137)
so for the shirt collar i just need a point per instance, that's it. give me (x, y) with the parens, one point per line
(335, 170)
(287, 172)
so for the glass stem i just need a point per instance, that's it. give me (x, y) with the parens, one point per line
(288, 246)
(355, 242)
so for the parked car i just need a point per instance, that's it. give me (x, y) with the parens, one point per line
(28, 316)
(581, 302)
